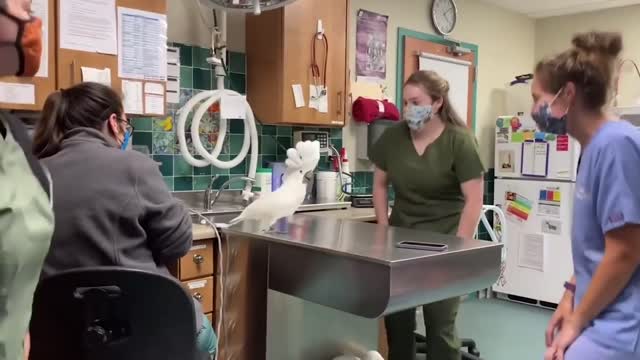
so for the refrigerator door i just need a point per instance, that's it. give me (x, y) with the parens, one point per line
(538, 241)
(524, 152)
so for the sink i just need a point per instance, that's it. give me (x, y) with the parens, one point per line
(220, 220)
(230, 204)
(229, 200)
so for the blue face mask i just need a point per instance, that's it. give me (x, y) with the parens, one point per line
(125, 141)
(417, 115)
(547, 122)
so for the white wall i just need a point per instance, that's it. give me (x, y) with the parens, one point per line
(505, 40)
(506, 48)
(554, 35)
(186, 25)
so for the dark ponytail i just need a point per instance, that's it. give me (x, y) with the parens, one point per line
(86, 105)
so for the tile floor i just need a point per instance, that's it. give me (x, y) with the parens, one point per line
(504, 330)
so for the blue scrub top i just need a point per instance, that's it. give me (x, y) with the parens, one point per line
(607, 198)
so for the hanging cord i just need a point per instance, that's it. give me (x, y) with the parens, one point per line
(635, 65)
(315, 69)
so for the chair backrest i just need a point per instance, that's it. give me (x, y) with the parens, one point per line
(111, 313)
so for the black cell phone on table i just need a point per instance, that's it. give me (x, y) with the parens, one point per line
(421, 245)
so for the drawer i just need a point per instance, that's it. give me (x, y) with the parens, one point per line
(202, 290)
(199, 261)
(210, 317)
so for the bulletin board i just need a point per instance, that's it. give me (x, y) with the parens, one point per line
(43, 85)
(411, 44)
(70, 62)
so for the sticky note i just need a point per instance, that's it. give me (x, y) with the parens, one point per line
(528, 136)
(517, 138)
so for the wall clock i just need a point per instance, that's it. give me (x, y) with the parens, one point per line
(444, 14)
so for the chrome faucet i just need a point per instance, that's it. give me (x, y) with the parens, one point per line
(207, 193)
(208, 203)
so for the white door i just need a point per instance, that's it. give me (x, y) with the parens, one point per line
(539, 242)
(524, 152)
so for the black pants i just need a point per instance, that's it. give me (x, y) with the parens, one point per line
(442, 339)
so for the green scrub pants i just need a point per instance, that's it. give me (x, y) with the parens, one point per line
(440, 321)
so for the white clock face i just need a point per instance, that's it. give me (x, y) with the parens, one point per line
(445, 15)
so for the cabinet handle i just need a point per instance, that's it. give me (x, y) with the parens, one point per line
(197, 296)
(73, 72)
(340, 103)
(198, 259)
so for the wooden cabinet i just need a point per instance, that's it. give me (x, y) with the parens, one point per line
(279, 54)
(43, 86)
(197, 272)
(202, 290)
(199, 262)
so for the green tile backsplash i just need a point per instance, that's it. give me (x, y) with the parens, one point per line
(197, 76)
(161, 140)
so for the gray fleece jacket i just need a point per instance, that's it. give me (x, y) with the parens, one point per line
(112, 208)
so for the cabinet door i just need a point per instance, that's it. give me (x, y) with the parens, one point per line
(301, 19)
(43, 85)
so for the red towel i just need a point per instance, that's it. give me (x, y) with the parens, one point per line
(369, 110)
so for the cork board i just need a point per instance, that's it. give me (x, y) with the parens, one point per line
(69, 62)
(43, 86)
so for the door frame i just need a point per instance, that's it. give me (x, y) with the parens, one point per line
(404, 33)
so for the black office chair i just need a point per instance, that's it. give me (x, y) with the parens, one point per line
(471, 352)
(111, 313)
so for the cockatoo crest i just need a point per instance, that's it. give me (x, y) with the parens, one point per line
(304, 157)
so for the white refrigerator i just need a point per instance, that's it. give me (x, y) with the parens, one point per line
(535, 177)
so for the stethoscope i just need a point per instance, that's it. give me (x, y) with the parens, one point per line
(315, 69)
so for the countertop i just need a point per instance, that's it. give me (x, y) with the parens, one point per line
(201, 232)
(358, 267)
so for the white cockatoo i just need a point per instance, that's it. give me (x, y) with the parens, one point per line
(283, 202)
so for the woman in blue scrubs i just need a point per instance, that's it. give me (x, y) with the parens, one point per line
(599, 315)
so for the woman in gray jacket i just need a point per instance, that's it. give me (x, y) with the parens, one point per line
(112, 207)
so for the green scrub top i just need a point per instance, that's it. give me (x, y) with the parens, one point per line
(26, 228)
(427, 188)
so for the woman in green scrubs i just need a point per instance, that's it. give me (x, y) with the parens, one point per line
(26, 216)
(432, 162)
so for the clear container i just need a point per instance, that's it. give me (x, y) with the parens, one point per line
(263, 180)
(326, 186)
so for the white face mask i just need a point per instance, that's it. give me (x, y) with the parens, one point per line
(417, 115)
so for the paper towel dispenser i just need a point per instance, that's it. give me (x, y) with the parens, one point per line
(368, 134)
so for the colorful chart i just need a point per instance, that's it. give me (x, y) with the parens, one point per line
(518, 206)
(550, 195)
(549, 203)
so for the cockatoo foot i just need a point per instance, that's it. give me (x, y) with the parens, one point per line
(276, 230)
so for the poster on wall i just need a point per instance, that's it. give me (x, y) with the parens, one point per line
(371, 46)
